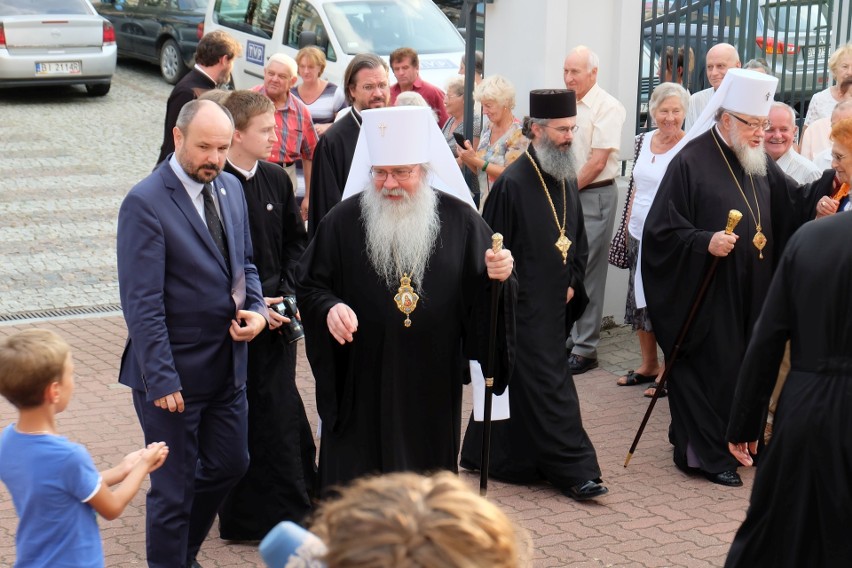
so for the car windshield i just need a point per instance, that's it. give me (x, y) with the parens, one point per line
(192, 4)
(30, 8)
(796, 17)
(381, 27)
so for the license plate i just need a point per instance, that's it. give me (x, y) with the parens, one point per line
(59, 68)
(816, 53)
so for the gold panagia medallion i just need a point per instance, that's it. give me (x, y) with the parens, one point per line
(563, 243)
(759, 241)
(406, 298)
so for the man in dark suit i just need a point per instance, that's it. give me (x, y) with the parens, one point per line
(191, 299)
(214, 60)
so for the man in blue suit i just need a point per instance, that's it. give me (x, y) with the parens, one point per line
(191, 299)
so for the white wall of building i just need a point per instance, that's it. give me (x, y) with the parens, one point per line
(526, 41)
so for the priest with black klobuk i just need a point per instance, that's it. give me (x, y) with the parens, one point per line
(389, 386)
(715, 172)
(535, 206)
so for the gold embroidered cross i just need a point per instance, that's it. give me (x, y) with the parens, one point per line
(382, 127)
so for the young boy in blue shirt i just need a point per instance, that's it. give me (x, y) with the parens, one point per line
(53, 481)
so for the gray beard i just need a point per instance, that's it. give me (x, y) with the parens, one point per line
(753, 160)
(401, 235)
(553, 160)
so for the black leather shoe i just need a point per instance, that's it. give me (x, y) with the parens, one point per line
(727, 478)
(585, 491)
(580, 364)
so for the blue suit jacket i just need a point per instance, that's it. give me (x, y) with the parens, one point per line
(177, 296)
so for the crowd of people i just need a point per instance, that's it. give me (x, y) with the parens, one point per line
(391, 264)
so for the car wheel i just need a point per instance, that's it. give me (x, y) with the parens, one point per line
(98, 90)
(172, 67)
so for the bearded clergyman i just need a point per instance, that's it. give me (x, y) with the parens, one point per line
(721, 169)
(395, 296)
(536, 207)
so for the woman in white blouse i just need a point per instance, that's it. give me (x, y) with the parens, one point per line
(668, 107)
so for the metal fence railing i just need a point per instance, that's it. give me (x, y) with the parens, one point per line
(794, 38)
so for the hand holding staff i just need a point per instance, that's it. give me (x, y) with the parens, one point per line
(734, 217)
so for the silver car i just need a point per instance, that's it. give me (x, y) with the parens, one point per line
(55, 42)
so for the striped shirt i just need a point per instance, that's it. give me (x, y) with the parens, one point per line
(297, 137)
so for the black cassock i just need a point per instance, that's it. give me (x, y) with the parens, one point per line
(544, 436)
(692, 204)
(391, 399)
(330, 167)
(282, 472)
(802, 497)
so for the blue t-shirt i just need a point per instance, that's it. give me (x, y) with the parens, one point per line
(51, 479)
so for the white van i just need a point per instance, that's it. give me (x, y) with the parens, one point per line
(342, 28)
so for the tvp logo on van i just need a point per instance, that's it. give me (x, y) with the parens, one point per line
(254, 52)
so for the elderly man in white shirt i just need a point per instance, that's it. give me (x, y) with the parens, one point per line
(779, 145)
(600, 118)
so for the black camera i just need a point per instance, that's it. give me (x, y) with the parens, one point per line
(292, 331)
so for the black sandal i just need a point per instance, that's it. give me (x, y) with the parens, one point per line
(633, 378)
(649, 392)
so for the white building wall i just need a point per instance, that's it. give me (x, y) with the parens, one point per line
(526, 41)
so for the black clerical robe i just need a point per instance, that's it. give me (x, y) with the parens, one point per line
(187, 89)
(282, 473)
(692, 204)
(332, 160)
(391, 399)
(544, 437)
(799, 512)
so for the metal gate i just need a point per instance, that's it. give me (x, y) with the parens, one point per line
(793, 38)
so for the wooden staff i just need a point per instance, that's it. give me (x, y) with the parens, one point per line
(496, 287)
(734, 217)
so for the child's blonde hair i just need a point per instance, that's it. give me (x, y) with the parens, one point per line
(29, 362)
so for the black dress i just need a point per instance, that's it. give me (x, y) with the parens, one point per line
(391, 399)
(802, 497)
(544, 437)
(692, 204)
(282, 473)
(330, 167)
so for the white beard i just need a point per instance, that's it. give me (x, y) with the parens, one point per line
(401, 234)
(753, 160)
(553, 160)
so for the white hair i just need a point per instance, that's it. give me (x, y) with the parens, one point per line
(285, 60)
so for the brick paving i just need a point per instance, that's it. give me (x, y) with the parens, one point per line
(654, 515)
(67, 162)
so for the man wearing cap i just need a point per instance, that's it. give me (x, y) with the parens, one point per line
(535, 206)
(395, 292)
(366, 84)
(721, 169)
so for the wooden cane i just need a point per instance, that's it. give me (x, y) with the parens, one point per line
(496, 286)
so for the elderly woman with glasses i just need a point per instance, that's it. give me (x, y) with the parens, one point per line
(454, 126)
(841, 161)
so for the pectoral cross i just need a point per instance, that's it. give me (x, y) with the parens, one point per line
(382, 127)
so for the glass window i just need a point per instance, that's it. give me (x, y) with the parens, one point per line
(381, 27)
(250, 16)
(796, 17)
(305, 18)
(29, 8)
